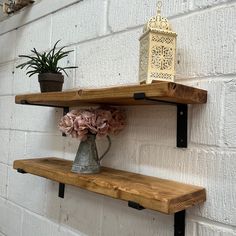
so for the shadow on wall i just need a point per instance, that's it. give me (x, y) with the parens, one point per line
(92, 214)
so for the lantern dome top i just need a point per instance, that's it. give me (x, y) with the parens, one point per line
(158, 23)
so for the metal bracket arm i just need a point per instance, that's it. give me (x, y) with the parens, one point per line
(135, 205)
(179, 226)
(61, 192)
(182, 125)
(21, 171)
(142, 96)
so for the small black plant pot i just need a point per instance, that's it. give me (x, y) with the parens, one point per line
(51, 82)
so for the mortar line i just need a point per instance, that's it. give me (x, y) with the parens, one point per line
(200, 219)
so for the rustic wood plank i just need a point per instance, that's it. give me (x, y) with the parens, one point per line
(152, 193)
(163, 91)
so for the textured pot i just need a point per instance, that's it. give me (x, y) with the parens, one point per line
(51, 82)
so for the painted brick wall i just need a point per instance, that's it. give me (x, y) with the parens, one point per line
(104, 35)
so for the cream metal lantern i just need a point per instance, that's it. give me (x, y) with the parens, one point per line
(157, 50)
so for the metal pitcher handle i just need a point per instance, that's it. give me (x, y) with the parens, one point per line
(108, 148)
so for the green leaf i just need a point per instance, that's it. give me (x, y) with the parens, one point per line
(45, 62)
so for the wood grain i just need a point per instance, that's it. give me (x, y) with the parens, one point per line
(152, 193)
(162, 91)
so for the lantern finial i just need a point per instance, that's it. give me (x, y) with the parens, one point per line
(158, 22)
(159, 5)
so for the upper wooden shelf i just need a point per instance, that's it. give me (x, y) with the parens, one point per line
(153, 193)
(163, 92)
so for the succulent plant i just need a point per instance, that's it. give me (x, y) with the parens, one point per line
(46, 62)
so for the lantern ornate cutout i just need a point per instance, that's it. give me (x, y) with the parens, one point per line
(157, 50)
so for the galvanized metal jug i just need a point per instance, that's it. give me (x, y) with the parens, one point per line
(86, 159)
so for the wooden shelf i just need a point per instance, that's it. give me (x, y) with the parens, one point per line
(163, 92)
(152, 193)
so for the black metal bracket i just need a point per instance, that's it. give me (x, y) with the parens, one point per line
(182, 118)
(142, 96)
(21, 171)
(65, 110)
(61, 192)
(182, 125)
(135, 205)
(179, 225)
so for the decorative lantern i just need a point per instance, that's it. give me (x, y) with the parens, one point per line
(157, 50)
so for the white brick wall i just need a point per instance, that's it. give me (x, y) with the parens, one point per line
(104, 36)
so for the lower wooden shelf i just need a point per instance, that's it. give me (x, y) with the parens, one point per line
(149, 192)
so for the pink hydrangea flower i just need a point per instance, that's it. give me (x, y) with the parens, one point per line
(102, 122)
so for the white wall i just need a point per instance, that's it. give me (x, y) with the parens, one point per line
(104, 35)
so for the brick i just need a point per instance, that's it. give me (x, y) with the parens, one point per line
(21, 82)
(123, 14)
(42, 226)
(34, 85)
(120, 156)
(230, 114)
(119, 219)
(18, 146)
(41, 145)
(195, 44)
(6, 116)
(206, 229)
(190, 227)
(70, 60)
(157, 124)
(27, 191)
(109, 61)
(84, 217)
(6, 79)
(206, 120)
(52, 201)
(34, 35)
(64, 231)
(8, 44)
(74, 24)
(10, 213)
(210, 169)
(71, 147)
(3, 180)
(207, 3)
(36, 118)
(37, 225)
(4, 140)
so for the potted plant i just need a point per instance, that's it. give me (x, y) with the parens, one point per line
(46, 66)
